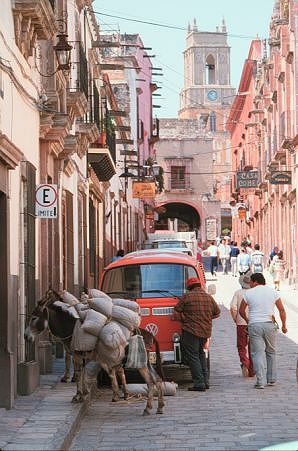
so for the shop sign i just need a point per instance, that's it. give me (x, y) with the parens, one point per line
(46, 199)
(143, 190)
(247, 179)
(211, 229)
(281, 178)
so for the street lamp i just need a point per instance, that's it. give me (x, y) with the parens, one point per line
(62, 50)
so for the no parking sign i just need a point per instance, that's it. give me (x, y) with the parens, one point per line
(46, 197)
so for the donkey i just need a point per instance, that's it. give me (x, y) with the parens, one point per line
(57, 317)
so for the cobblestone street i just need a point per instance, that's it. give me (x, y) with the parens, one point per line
(232, 415)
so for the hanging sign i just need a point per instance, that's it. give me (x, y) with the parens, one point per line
(46, 199)
(281, 178)
(247, 179)
(143, 190)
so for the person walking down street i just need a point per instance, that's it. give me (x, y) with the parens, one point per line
(243, 344)
(120, 254)
(234, 261)
(224, 255)
(278, 267)
(213, 253)
(196, 309)
(199, 252)
(273, 253)
(243, 261)
(257, 260)
(262, 327)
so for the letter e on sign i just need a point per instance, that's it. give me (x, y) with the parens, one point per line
(46, 197)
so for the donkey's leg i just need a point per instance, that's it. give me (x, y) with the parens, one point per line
(148, 379)
(115, 386)
(121, 373)
(66, 374)
(76, 370)
(160, 394)
(79, 395)
(85, 386)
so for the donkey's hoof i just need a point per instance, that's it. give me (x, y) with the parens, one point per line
(146, 413)
(74, 379)
(159, 412)
(64, 379)
(115, 399)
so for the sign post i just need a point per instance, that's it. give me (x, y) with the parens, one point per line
(46, 199)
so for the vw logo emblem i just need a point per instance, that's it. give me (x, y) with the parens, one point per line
(152, 328)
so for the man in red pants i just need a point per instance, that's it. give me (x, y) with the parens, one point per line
(242, 330)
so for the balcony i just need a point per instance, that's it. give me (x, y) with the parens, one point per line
(33, 19)
(102, 163)
(280, 154)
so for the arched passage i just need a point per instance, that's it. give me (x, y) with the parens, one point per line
(185, 217)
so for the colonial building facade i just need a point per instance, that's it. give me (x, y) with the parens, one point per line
(61, 127)
(263, 124)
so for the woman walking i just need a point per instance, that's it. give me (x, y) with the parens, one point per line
(278, 269)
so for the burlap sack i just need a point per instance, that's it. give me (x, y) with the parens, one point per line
(94, 293)
(102, 305)
(81, 340)
(112, 336)
(93, 322)
(82, 310)
(107, 357)
(69, 298)
(131, 305)
(126, 317)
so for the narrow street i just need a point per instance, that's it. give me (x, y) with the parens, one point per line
(232, 415)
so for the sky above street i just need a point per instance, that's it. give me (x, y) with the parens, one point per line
(244, 21)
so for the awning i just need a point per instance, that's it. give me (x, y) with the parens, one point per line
(102, 163)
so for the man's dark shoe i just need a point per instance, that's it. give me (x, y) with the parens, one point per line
(196, 389)
(207, 386)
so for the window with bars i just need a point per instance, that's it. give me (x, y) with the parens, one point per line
(178, 177)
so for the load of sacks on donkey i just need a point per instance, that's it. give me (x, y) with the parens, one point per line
(104, 324)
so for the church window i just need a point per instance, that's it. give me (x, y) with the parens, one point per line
(212, 121)
(210, 70)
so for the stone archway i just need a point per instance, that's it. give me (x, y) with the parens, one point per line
(188, 216)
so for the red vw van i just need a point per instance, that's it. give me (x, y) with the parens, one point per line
(155, 280)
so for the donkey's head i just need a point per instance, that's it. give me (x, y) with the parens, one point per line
(38, 321)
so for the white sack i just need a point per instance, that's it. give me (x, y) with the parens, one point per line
(112, 336)
(82, 341)
(69, 298)
(102, 305)
(94, 293)
(107, 357)
(169, 389)
(93, 322)
(67, 308)
(82, 310)
(127, 317)
(137, 354)
(126, 332)
(131, 305)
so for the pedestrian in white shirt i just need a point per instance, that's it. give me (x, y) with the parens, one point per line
(257, 260)
(243, 344)
(224, 251)
(213, 253)
(262, 327)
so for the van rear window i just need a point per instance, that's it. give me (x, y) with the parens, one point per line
(148, 280)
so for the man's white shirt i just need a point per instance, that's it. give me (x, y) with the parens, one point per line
(261, 303)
